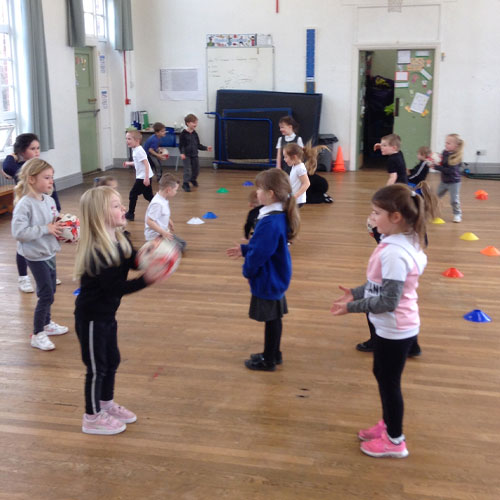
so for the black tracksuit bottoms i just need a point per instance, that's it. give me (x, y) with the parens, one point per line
(100, 354)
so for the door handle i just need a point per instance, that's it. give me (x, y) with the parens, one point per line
(396, 107)
(95, 111)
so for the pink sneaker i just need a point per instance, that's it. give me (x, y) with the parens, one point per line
(374, 432)
(119, 412)
(384, 447)
(104, 424)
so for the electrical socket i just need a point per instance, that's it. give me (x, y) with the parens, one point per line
(481, 152)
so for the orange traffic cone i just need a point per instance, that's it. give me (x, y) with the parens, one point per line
(491, 251)
(338, 166)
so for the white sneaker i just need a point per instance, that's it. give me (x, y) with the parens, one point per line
(457, 218)
(58, 281)
(55, 329)
(25, 285)
(41, 341)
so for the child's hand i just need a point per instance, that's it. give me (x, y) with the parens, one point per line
(183, 156)
(126, 164)
(167, 235)
(146, 182)
(209, 148)
(55, 228)
(339, 306)
(234, 252)
(376, 146)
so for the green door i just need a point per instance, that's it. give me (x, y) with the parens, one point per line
(413, 84)
(87, 109)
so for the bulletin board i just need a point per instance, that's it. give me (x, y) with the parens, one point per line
(245, 68)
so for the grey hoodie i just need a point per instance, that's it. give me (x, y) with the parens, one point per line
(29, 227)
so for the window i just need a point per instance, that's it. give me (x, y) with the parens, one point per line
(8, 115)
(95, 18)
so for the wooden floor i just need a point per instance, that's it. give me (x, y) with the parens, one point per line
(207, 427)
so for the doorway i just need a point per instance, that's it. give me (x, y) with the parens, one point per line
(394, 96)
(87, 109)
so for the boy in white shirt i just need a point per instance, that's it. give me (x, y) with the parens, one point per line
(143, 172)
(158, 221)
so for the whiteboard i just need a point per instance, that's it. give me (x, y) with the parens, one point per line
(243, 68)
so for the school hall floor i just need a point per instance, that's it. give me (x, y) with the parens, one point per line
(207, 427)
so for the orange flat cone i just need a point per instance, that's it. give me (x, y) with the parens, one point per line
(482, 196)
(491, 251)
(339, 166)
(480, 191)
(452, 272)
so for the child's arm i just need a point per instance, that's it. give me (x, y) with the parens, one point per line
(391, 179)
(128, 164)
(158, 155)
(146, 172)
(278, 158)
(171, 225)
(157, 228)
(339, 306)
(260, 248)
(376, 146)
(22, 231)
(304, 185)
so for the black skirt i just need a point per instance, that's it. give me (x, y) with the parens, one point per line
(267, 310)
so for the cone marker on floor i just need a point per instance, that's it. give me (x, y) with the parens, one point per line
(490, 251)
(477, 316)
(469, 237)
(248, 183)
(438, 220)
(482, 196)
(339, 166)
(222, 190)
(452, 272)
(209, 215)
(480, 191)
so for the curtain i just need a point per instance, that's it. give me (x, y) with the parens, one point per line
(76, 23)
(123, 25)
(40, 111)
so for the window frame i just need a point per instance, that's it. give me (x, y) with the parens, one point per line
(95, 16)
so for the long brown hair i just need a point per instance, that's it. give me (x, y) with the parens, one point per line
(415, 209)
(278, 182)
(308, 154)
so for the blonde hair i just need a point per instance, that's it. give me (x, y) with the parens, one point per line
(95, 248)
(392, 140)
(278, 182)
(136, 134)
(31, 168)
(415, 209)
(168, 180)
(308, 154)
(456, 157)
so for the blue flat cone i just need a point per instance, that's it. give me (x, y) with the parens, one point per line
(76, 292)
(209, 215)
(248, 183)
(477, 316)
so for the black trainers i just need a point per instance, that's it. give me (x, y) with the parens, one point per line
(186, 187)
(278, 360)
(366, 346)
(194, 183)
(129, 217)
(259, 363)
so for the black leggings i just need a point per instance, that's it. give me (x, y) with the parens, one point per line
(22, 265)
(100, 354)
(137, 189)
(389, 360)
(272, 340)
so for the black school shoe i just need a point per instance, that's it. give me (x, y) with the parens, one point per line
(278, 360)
(129, 217)
(259, 363)
(366, 346)
(415, 351)
(194, 183)
(186, 187)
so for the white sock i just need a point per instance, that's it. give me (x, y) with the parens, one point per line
(397, 440)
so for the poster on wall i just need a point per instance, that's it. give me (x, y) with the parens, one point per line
(181, 84)
(232, 40)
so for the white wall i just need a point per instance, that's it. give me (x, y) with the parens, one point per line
(168, 33)
(65, 157)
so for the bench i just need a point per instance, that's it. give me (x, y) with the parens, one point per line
(6, 193)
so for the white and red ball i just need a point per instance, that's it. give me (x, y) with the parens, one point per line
(161, 257)
(70, 228)
(435, 158)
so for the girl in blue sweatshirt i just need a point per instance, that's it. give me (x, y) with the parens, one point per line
(268, 265)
